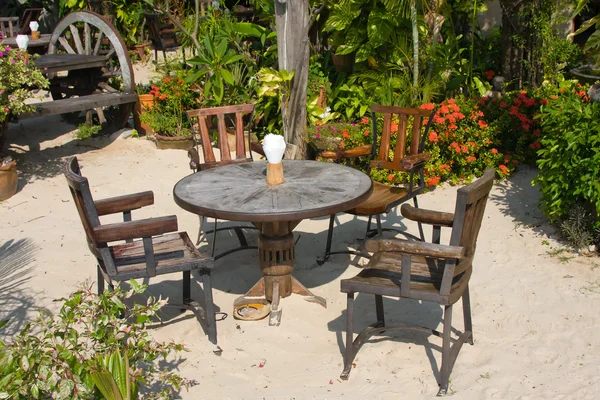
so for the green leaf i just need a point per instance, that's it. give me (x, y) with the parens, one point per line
(194, 76)
(249, 29)
(379, 27)
(227, 77)
(221, 49)
(230, 59)
(593, 41)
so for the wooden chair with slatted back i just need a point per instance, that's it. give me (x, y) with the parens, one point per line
(405, 156)
(162, 35)
(9, 26)
(428, 272)
(202, 120)
(158, 252)
(30, 14)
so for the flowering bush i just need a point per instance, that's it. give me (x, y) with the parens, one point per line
(340, 135)
(17, 76)
(172, 97)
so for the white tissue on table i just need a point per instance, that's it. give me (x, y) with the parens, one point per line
(22, 41)
(274, 147)
(33, 25)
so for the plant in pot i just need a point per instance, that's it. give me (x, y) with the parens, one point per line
(17, 77)
(167, 119)
(144, 104)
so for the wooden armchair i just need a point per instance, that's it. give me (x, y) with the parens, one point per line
(162, 35)
(200, 121)
(146, 258)
(405, 157)
(424, 271)
(9, 26)
(30, 14)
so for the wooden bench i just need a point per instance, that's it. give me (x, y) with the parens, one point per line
(74, 104)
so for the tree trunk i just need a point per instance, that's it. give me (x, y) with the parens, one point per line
(292, 20)
(415, 39)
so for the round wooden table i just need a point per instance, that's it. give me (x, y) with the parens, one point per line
(239, 192)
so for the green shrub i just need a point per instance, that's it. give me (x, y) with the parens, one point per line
(569, 157)
(56, 356)
(86, 131)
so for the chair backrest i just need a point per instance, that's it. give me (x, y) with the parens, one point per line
(468, 215)
(199, 121)
(382, 158)
(30, 14)
(153, 23)
(161, 37)
(80, 189)
(9, 26)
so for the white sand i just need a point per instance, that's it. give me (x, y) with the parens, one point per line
(535, 318)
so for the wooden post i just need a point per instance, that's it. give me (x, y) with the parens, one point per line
(292, 19)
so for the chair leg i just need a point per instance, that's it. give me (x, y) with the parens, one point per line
(211, 321)
(349, 357)
(100, 282)
(325, 258)
(466, 298)
(200, 230)
(379, 228)
(187, 287)
(379, 311)
(446, 361)
(155, 54)
(214, 241)
(164, 55)
(416, 203)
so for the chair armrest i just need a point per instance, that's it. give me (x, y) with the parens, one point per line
(128, 202)
(415, 160)
(359, 151)
(135, 229)
(415, 248)
(194, 158)
(257, 148)
(427, 216)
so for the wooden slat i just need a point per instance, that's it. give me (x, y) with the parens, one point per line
(244, 108)
(400, 151)
(135, 229)
(223, 142)
(359, 151)
(68, 62)
(399, 110)
(207, 150)
(240, 142)
(384, 147)
(88, 38)
(124, 203)
(98, 43)
(76, 39)
(81, 103)
(381, 198)
(416, 135)
(66, 45)
(409, 162)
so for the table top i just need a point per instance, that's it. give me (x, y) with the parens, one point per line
(239, 192)
(68, 62)
(44, 40)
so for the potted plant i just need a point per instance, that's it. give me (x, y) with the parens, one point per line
(17, 77)
(167, 119)
(144, 104)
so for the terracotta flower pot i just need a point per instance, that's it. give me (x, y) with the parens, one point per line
(8, 180)
(146, 102)
(141, 50)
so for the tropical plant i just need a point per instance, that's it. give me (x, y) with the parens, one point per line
(65, 355)
(213, 63)
(17, 77)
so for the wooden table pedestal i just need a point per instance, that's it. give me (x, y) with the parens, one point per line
(277, 259)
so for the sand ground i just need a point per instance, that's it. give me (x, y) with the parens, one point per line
(535, 307)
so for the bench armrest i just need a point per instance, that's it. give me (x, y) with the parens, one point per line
(135, 229)
(359, 151)
(425, 249)
(128, 202)
(427, 216)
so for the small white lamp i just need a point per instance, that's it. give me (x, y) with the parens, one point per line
(274, 147)
(22, 41)
(34, 26)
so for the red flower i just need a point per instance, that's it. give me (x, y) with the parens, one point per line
(428, 106)
(391, 177)
(471, 159)
(452, 127)
(554, 97)
(482, 124)
(365, 120)
(444, 109)
(503, 168)
(536, 132)
(341, 145)
(503, 104)
(433, 136)
(535, 145)
(367, 133)
(433, 181)
(394, 127)
(544, 102)
(464, 149)
(489, 74)
(518, 102)
(167, 80)
(494, 151)
(163, 96)
(346, 135)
